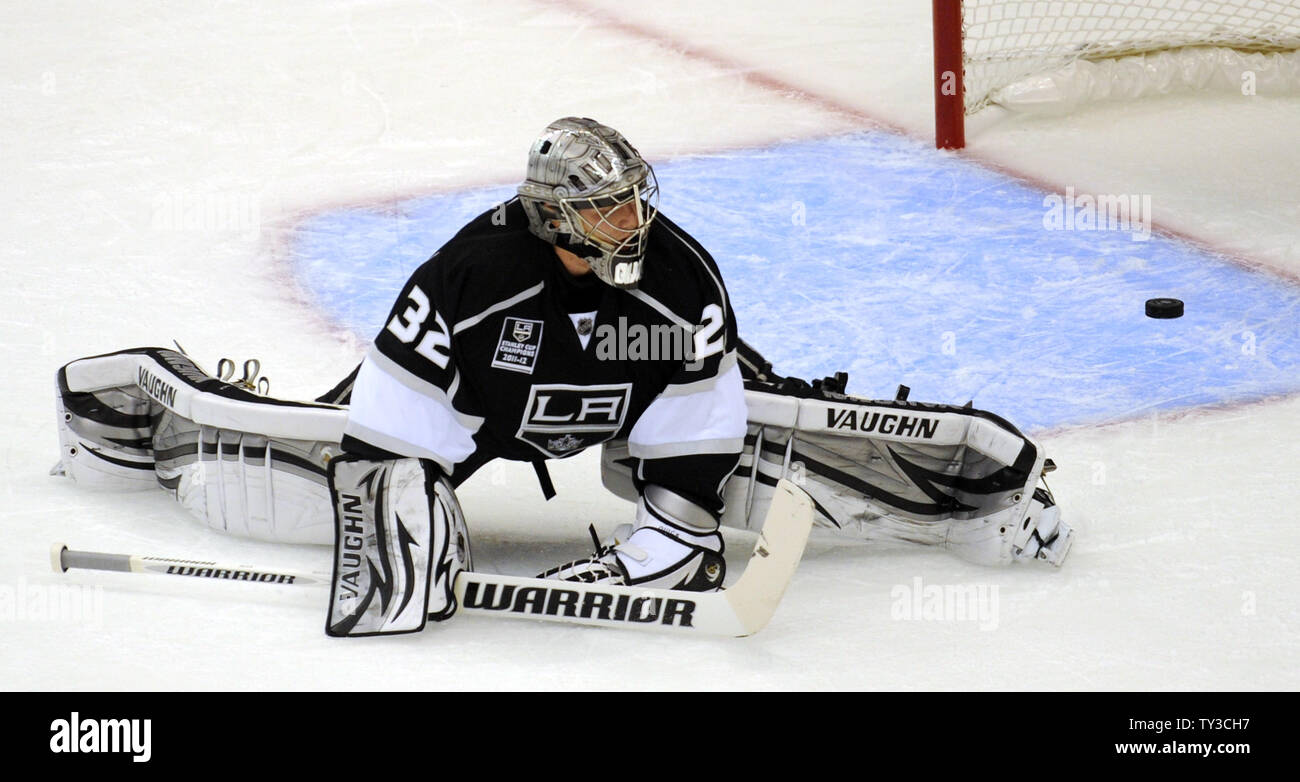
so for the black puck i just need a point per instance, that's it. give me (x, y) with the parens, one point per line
(1164, 308)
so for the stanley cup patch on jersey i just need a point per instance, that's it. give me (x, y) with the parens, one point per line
(521, 338)
(560, 420)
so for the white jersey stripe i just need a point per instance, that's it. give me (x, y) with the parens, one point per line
(712, 420)
(693, 448)
(395, 371)
(501, 305)
(661, 308)
(392, 415)
(680, 389)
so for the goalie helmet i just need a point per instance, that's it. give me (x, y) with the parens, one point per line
(590, 192)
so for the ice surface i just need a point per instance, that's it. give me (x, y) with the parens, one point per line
(122, 120)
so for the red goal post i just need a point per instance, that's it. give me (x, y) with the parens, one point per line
(949, 71)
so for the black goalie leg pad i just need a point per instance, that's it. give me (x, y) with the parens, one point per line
(399, 543)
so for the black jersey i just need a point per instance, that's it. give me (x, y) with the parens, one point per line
(494, 351)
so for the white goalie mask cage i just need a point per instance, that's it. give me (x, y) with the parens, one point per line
(589, 191)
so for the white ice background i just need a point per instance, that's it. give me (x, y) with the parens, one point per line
(1183, 576)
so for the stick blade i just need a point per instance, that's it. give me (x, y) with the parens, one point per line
(776, 556)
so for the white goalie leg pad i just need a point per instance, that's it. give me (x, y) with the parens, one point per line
(247, 484)
(901, 473)
(105, 437)
(400, 541)
(1038, 534)
(1046, 536)
(244, 464)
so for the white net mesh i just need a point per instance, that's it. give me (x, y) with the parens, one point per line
(1006, 41)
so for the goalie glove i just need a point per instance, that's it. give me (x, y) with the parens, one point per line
(673, 544)
(399, 542)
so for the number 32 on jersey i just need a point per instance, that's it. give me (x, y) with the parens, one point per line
(406, 326)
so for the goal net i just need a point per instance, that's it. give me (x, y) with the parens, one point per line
(1056, 54)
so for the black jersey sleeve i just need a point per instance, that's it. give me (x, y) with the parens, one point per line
(690, 437)
(407, 398)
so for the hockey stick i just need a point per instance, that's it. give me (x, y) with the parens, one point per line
(742, 609)
(63, 559)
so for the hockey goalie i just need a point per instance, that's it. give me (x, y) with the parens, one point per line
(499, 347)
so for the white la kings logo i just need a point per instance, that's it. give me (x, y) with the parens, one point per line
(78, 734)
(561, 420)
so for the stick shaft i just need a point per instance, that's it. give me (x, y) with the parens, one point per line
(65, 559)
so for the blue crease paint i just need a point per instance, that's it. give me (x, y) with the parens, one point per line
(874, 254)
